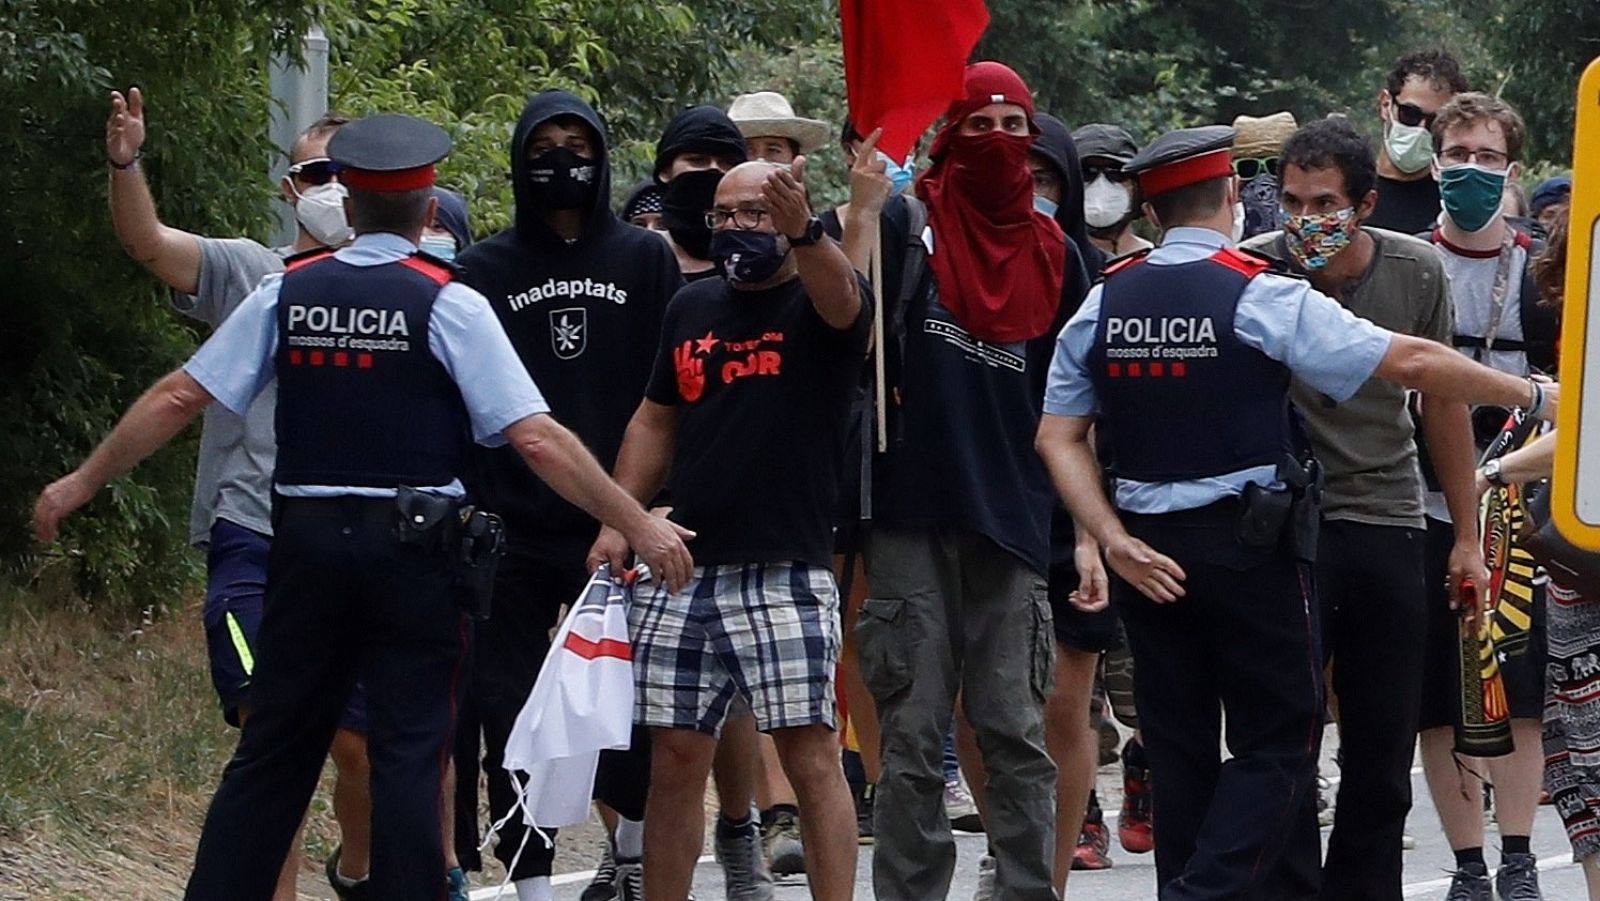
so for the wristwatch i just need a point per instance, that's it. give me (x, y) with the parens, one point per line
(1491, 472)
(813, 233)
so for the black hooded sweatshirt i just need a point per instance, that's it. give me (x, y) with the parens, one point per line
(584, 316)
(1055, 144)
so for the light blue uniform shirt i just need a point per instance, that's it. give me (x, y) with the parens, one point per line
(464, 335)
(1322, 343)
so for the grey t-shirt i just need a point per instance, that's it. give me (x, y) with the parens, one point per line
(1366, 444)
(233, 478)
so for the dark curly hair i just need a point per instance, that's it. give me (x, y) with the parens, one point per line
(1334, 142)
(1436, 64)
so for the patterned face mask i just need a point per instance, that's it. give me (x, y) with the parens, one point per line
(1314, 239)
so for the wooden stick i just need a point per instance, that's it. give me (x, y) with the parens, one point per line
(880, 404)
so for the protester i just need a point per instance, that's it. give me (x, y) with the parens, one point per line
(754, 376)
(698, 145)
(1499, 322)
(1369, 563)
(231, 515)
(1256, 162)
(1547, 199)
(1110, 198)
(1570, 734)
(958, 492)
(1220, 628)
(772, 131)
(1418, 85)
(584, 327)
(643, 206)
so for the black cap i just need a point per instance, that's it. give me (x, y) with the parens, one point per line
(1183, 157)
(388, 152)
(1098, 140)
(700, 129)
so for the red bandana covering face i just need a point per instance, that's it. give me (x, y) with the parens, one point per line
(999, 262)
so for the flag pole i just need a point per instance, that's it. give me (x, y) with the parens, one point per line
(876, 275)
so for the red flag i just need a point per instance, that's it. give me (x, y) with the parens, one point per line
(903, 62)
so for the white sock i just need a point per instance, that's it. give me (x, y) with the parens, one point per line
(630, 838)
(536, 888)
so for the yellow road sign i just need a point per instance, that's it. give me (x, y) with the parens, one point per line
(1575, 501)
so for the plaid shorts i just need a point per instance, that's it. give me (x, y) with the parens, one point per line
(763, 634)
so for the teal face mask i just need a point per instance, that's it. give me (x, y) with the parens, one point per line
(1471, 194)
(900, 175)
(441, 246)
(1045, 205)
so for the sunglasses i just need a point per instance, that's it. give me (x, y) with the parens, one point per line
(1251, 167)
(1114, 173)
(1412, 115)
(319, 171)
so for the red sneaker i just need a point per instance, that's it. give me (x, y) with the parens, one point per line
(1094, 843)
(1133, 825)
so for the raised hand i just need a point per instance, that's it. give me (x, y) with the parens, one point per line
(125, 127)
(787, 204)
(870, 185)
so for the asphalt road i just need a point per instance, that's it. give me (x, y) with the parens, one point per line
(1133, 876)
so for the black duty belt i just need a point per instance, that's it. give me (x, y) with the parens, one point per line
(369, 509)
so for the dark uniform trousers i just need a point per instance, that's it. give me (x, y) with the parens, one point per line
(1242, 641)
(344, 599)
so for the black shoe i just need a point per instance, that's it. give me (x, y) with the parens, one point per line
(603, 887)
(346, 890)
(864, 806)
(1518, 878)
(1470, 883)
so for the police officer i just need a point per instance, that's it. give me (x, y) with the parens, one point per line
(387, 368)
(1182, 357)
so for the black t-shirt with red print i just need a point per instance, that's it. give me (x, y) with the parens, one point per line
(763, 388)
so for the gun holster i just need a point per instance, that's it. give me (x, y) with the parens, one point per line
(483, 543)
(471, 540)
(1288, 518)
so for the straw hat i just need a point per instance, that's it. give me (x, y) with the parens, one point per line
(769, 114)
(1262, 137)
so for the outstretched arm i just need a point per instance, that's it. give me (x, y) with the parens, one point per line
(171, 254)
(154, 418)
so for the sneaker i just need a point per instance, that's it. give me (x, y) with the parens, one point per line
(1094, 843)
(457, 886)
(985, 890)
(961, 809)
(1324, 801)
(627, 882)
(1518, 878)
(603, 887)
(864, 807)
(1470, 883)
(344, 888)
(744, 870)
(781, 839)
(1133, 824)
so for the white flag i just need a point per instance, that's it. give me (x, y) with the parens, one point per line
(581, 705)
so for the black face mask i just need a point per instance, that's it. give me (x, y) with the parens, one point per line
(750, 257)
(1261, 205)
(684, 203)
(559, 179)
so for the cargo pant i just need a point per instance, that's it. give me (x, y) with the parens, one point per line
(951, 610)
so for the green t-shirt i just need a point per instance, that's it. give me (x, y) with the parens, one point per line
(1366, 444)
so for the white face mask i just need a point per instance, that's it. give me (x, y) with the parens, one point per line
(1238, 222)
(320, 211)
(1105, 203)
(1410, 147)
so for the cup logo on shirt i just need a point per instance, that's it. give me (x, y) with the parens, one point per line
(569, 331)
(753, 357)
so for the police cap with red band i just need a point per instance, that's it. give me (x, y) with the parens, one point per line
(1183, 157)
(388, 152)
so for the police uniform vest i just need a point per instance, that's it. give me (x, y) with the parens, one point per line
(1181, 397)
(361, 399)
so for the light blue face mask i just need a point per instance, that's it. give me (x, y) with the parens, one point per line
(1045, 205)
(441, 246)
(901, 175)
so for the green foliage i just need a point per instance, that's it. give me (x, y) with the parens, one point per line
(1540, 47)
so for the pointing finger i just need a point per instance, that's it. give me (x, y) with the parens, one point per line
(136, 102)
(870, 145)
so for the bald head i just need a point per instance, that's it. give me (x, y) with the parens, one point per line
(742, 185)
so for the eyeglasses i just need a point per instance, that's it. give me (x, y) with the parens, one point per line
(1114, 173)
(743, 220)
(319, 171)
(1413, 115)
(1460, 156)
(1248, 168)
